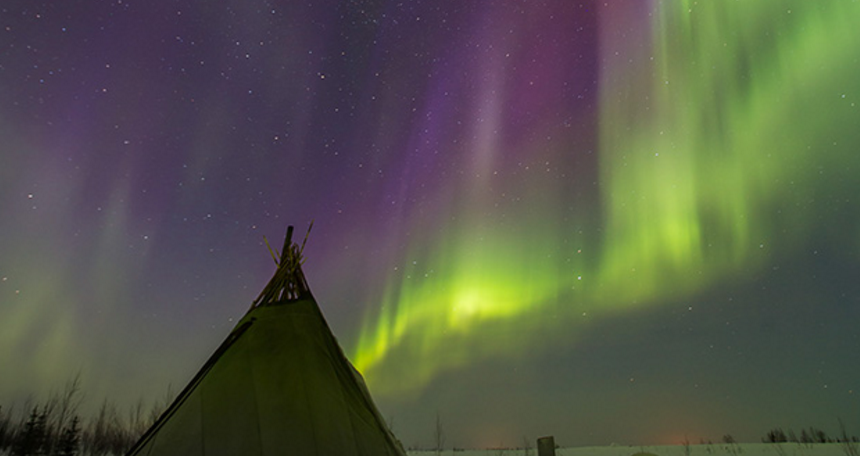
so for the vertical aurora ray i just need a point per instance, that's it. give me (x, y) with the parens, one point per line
(714, 132)
(702, 144)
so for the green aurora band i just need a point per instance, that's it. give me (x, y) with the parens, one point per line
(717, 132)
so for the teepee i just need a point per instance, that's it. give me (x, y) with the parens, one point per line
(278, 385)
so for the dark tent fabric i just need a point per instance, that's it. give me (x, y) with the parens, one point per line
(278, 385)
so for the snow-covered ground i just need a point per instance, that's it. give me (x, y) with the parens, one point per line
(744, 449)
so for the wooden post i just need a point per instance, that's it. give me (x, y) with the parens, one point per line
(546, 446)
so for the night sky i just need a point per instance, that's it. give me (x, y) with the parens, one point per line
(619, 221)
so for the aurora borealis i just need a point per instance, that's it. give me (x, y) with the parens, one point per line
(608, 221)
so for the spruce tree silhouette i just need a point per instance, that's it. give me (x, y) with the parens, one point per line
(32, 440)
(70, 438)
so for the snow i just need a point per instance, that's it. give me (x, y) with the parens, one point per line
(716, 449)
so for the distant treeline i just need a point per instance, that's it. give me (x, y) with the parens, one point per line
(810, 435)
(55, 427)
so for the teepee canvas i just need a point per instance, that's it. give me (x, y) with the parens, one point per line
(278, 385)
